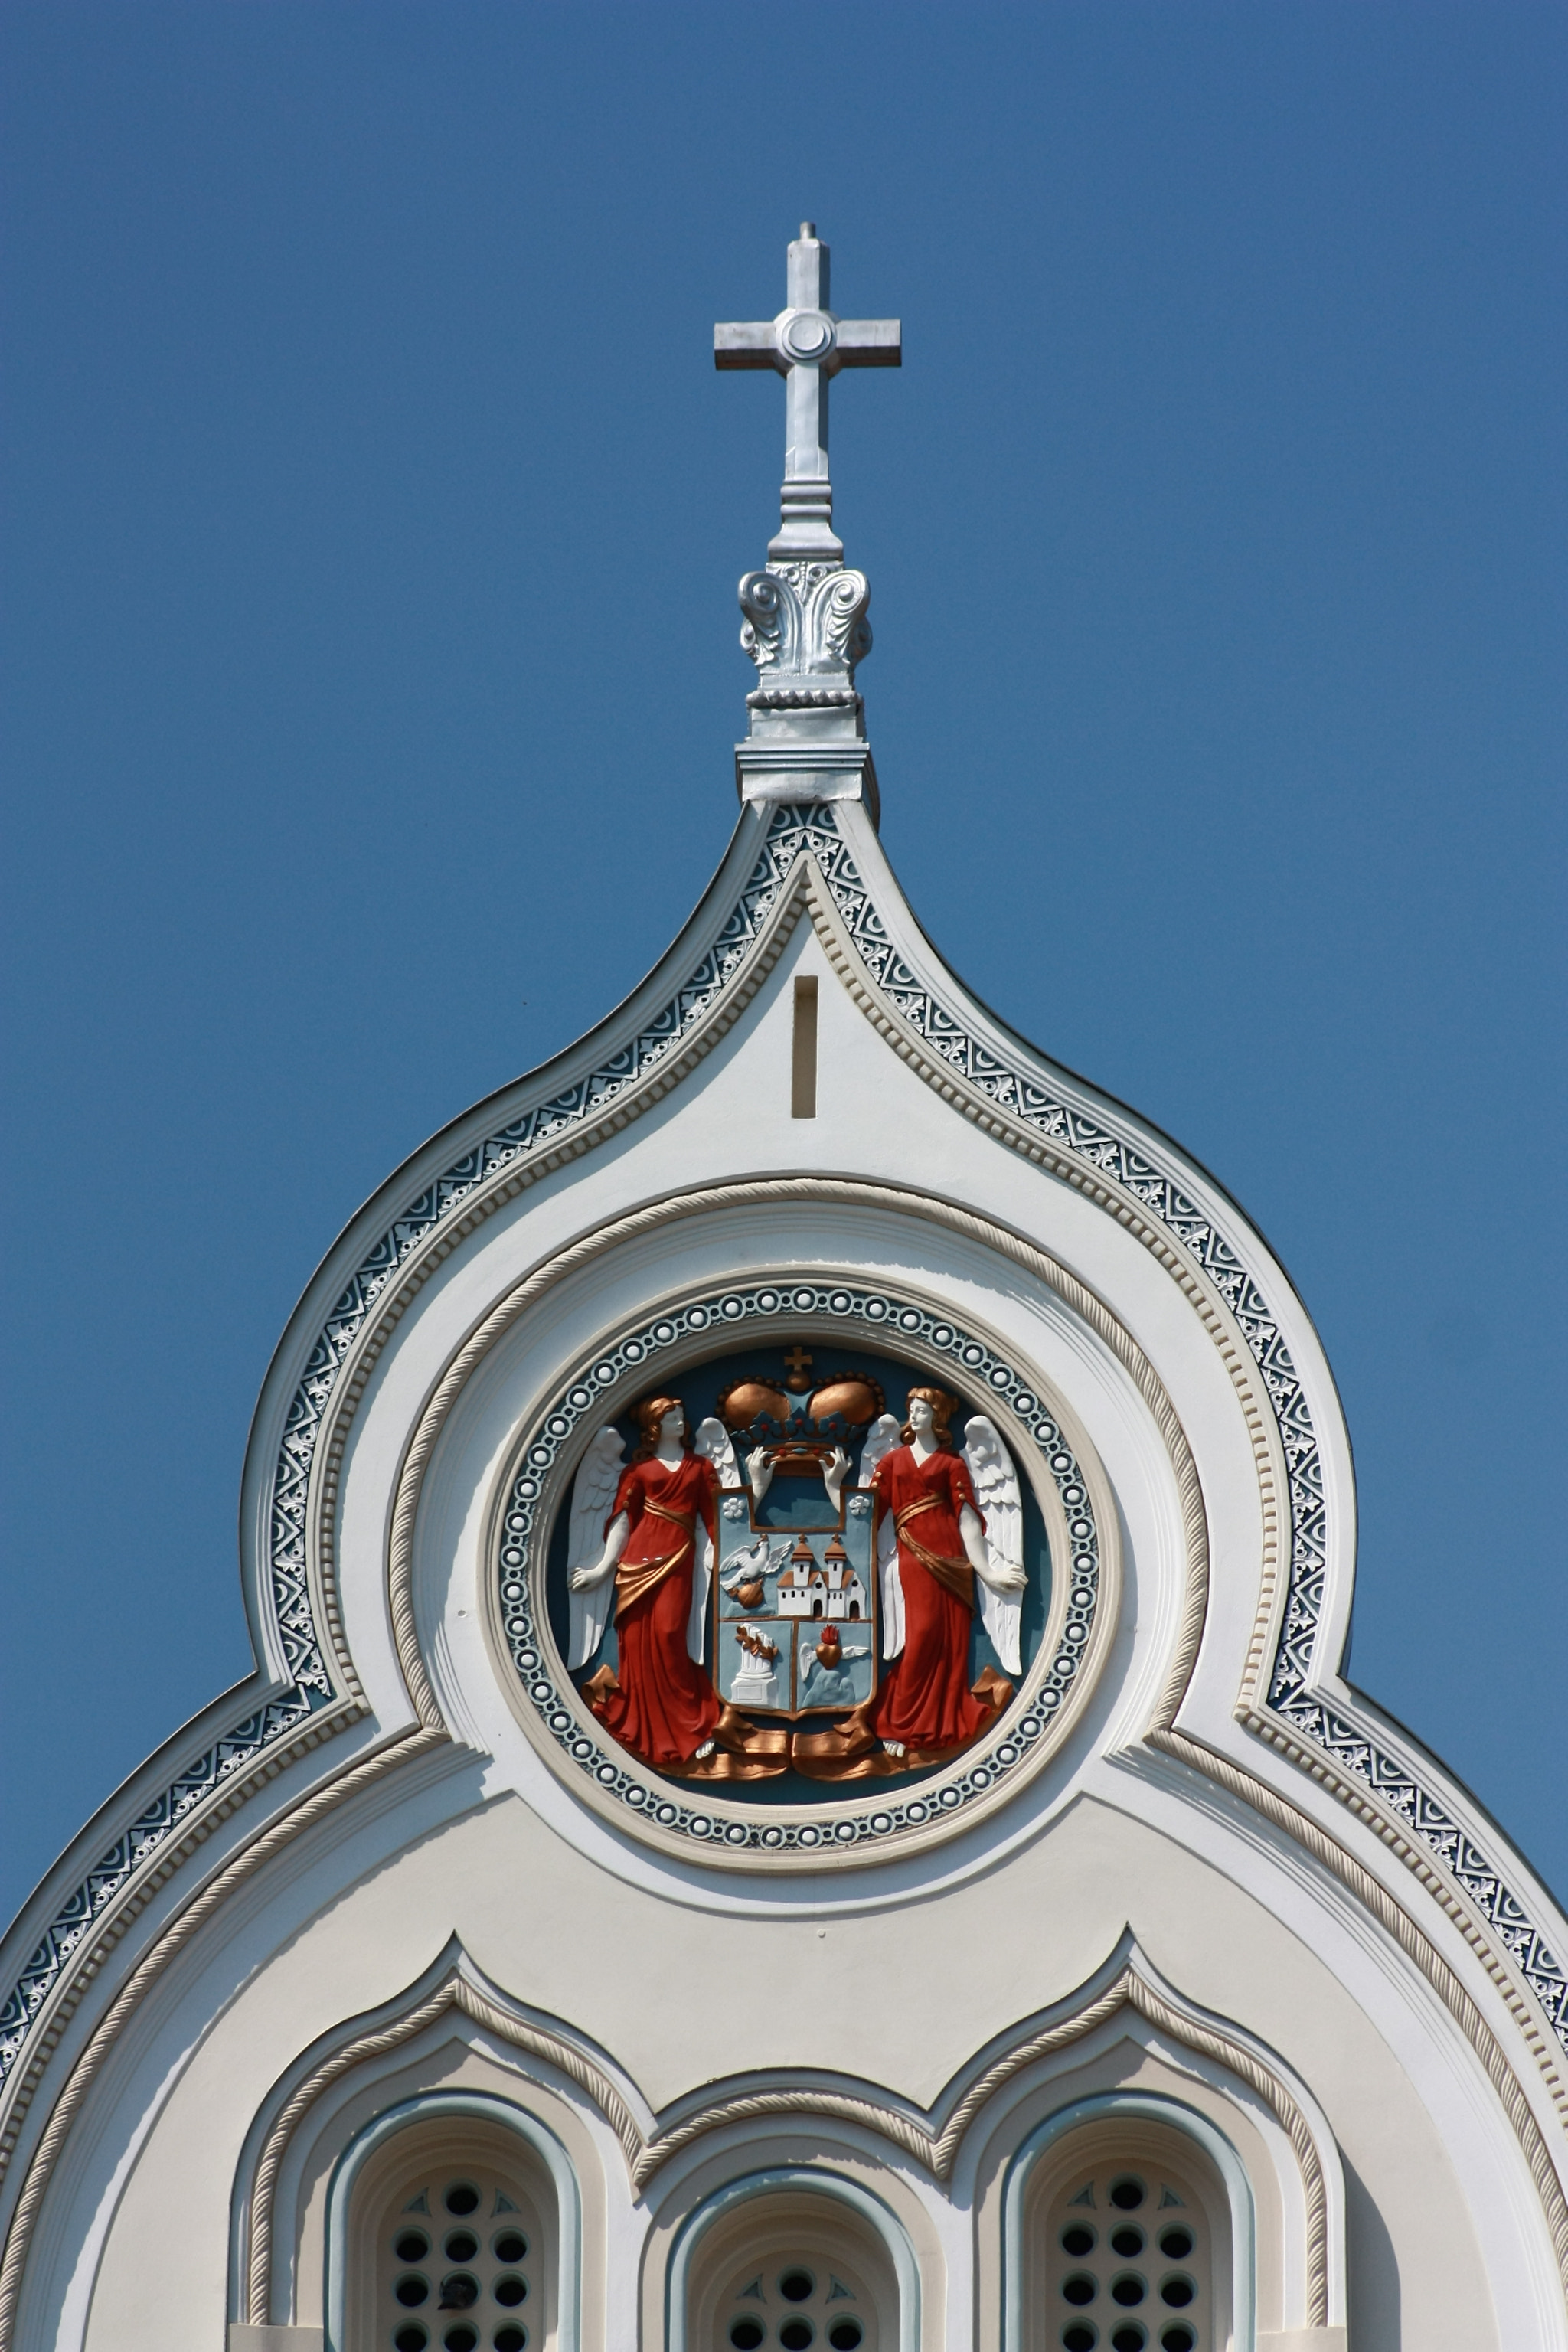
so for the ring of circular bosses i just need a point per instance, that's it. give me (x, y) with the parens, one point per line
(559, 1724)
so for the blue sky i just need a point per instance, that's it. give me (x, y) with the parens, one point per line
(373, 513)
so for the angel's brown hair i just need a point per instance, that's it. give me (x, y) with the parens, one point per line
(647, 1417)
(943, 1407)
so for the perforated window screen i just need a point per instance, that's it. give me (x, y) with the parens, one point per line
(804, 2302)
(1128, 2264)
(455, 2265)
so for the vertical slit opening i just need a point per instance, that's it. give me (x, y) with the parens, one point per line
(802, 1057)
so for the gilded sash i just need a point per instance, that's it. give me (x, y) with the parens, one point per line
(955, 1576)
(632, 1582)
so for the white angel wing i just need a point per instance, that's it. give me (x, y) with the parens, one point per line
(593, 1493)
(1001, 1507)
(881, 1440)
(713, 1441)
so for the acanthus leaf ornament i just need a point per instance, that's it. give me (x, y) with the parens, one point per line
(805, 626)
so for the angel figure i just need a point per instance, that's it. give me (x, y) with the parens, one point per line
(659, 1547)
(934, 1551)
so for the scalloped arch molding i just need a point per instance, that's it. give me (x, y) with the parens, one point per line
(932, 2136)
(794, 857)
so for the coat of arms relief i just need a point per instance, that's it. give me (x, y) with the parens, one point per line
(795, 1575)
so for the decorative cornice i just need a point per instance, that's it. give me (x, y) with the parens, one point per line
(542, 1139)
(89, 1954)
(302, 1815)
(1375, 1897)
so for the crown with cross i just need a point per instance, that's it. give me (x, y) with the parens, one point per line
(805, 625)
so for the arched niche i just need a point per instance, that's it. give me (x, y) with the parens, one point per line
(741, 2261)
(469, 2175)
(1129, 2214)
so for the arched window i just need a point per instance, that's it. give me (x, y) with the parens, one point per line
(1129, 2258)
(446, 2224)
(809, 2297)
(457, 2258)
(1129, 2230)
(794, 2262)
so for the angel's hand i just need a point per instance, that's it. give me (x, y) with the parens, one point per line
(1004, 1579)
(760, 1472)
(835, 1472)
(583, 1579)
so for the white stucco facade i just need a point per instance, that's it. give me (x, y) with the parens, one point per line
(1200, 1905)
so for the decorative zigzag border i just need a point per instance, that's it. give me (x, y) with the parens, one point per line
(794, 831)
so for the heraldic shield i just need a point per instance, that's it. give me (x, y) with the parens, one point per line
(788, 1579)
(794, 1601)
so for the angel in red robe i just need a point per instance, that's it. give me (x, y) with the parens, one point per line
(924, 1702)
(661, 1703)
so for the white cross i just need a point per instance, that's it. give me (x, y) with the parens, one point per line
(807, 344)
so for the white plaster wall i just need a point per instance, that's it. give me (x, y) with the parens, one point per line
(903, 1973)
(901, 1998)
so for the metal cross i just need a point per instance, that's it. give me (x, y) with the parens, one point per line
(807, 344)
(795, 1364)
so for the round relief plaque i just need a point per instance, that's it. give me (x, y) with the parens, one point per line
(801, 1571)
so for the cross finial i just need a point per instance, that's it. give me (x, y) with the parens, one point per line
(807, 343)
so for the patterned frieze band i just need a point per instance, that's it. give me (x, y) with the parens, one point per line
(1023, 1094)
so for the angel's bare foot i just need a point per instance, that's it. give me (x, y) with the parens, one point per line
(706, 1751)
(895, 1747)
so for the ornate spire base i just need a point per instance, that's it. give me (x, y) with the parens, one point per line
(805, 629)
(785, 771)
(806, 615)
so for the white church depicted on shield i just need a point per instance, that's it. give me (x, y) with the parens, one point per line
(1112, 1978)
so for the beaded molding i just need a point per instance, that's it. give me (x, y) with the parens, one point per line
(625, 1366)
(794, 831)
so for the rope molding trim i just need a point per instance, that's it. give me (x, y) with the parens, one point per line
(646, 2154)
(806, 885)
(318, 1729)
(455, 1994)
(1393, 1916)
(1216, 1317)
(302, 1815)
(984, 1112)
(67, 1996)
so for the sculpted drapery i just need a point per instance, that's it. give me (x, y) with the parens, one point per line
(924, 1701)
(664, 1706)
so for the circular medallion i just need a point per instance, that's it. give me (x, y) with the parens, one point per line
(799, 1571)
(809, 335)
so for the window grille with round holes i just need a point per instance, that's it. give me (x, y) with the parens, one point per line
(453, 2269)
(1128, 2264)
(798, 2306)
